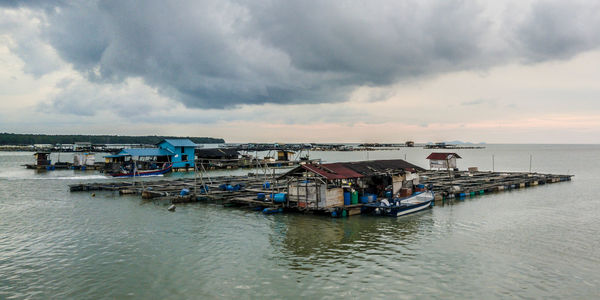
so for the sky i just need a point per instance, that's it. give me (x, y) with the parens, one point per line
(304, 71)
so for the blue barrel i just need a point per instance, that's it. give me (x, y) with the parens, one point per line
(272, 210)
(279, 198)
(184, 192)
(347, 198)
(260, 196)
(420, 186)
(388, 194)
(266, 185)
(364, 199)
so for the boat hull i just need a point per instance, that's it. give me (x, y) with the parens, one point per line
(406, 206)
(398, 212)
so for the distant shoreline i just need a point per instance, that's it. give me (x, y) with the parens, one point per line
(25, 141)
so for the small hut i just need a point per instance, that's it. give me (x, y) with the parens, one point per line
(41, 159)
(285, 155)
(438, 160)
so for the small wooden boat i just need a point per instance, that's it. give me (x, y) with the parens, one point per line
(400, 207)
(165, 169)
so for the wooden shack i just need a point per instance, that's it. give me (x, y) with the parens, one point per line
(438, 160)
(285, 155)
(217, 157)
(41, 159)
(322, 186)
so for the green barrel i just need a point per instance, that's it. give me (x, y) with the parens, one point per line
(355, 197)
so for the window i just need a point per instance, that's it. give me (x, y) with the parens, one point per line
(184, 157)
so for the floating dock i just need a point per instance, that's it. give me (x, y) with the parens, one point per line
(259, 191)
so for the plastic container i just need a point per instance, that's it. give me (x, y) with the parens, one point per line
(347, 198)
(260, 196)
(184, 192)
(279, 198)
(266, 185)
(354, 197)
(364, 199)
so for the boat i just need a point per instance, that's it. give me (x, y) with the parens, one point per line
(401, 206)
(166, 168)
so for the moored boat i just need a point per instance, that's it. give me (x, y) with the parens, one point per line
(152, 172)
(401, 206)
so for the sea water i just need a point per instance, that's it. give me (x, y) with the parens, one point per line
(539, 242)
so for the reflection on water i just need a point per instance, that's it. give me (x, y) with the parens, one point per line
(322, 237)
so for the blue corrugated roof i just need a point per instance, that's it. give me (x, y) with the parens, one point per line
(142, 152)
(180, 142)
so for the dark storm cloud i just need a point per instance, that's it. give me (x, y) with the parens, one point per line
(559, 29)
(218, 54)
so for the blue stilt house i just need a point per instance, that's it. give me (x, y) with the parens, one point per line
(182, 151)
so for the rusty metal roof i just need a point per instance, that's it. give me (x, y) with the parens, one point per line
(332, 171)
(347, 170)
(373, 167)
(442, 156)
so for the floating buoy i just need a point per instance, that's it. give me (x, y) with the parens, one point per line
(93, 194)
(272, 210)
(172, 207)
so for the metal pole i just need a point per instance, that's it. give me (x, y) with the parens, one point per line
(493, 163)
(195, 180)
(530, 159)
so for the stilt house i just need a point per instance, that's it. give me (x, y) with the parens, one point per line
(321, 186)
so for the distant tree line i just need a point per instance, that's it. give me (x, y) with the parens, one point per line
(30, 139)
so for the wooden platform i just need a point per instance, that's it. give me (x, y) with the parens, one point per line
(243, 190)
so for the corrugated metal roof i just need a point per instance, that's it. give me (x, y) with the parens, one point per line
(217, 153)
(332, 171)
(442, 156)
(180, 142)
(372, 167)
(143, 152)
(346, 170)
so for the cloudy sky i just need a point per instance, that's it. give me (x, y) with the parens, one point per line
(307, 71)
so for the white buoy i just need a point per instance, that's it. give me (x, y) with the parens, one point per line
(172, 207)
